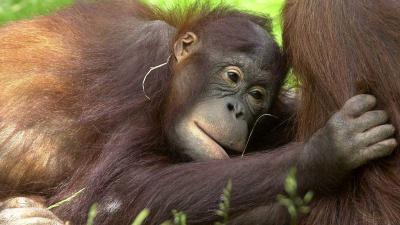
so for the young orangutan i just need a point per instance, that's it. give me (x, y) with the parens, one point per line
(79, 109)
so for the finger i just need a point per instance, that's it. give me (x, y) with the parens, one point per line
(359, 104)
(371, 119)
(381, 149)
(21, 202)
(22, 213)
(376, 134)
(33, 221)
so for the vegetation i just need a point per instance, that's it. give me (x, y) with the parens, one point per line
(21, 9)
(295, 204)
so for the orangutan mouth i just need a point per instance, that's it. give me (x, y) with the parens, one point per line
(223, 147)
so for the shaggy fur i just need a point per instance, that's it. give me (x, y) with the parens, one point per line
(73, 112)
(339, 49)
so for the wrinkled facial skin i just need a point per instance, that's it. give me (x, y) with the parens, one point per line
(238, 86)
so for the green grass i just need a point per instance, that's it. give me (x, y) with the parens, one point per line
(20, 9)
(269, 7)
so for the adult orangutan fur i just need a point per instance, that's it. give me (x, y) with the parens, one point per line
(338, 49)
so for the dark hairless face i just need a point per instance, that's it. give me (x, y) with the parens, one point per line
(238, 84)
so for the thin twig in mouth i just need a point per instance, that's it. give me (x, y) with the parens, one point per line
(253, 128)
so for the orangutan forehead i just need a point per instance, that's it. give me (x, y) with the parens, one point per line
(236, 34)
(239, 35)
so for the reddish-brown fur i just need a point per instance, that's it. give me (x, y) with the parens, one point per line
(74, 115)
(339, 49)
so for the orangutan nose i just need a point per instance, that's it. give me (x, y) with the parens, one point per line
(236, 108)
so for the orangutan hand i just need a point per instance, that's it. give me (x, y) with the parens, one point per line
(356, 134)
(26, 211)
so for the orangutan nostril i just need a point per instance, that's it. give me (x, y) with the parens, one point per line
(239, 114)
(230, 107)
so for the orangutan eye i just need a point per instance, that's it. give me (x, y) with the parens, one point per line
(257, 94)
(232, 74)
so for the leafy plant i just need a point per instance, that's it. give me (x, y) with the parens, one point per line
(141, 217)
(224, 205)
(92, 214)
(295, 204)
(180, 218)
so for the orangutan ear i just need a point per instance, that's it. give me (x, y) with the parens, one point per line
(185, 46)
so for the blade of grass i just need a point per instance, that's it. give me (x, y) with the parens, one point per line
(141, 217)
(65, 200)
(92, 214)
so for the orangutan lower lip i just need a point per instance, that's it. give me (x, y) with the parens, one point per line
(208, 135)
(226, 149)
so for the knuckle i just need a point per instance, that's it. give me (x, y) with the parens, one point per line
(360, 98)
(358, 139)
(5, 212)
(385, 130)
(383, 113)
(337, 120)
(358, 103)
(390, 128)
(386, 147)
(19, 202)
(392, 142)
(367, 99)
(8, 215)
(385, 151)
(380, 115)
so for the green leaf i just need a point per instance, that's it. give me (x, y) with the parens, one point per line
(92, 214)
(304, 209)
(308, 197)
(224, 205)
(168, 222)
(219, 213)
(291, 186)
(285, 201)
(141, 217)
(298, 201)
(292, 211)
(291, 183)
(179, 217)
